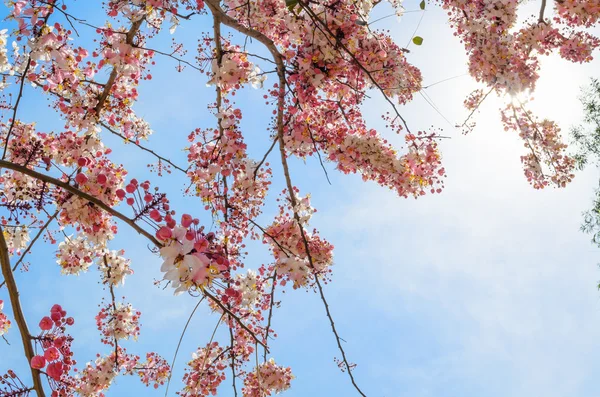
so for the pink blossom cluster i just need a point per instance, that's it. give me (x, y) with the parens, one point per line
(579, 12)
(192, 259)
(16, 238)
(4, 321)
(75, 255)
(56, 357)
(547, 161)
(269, 378)
(234, 69)
(154, 370)
(118, 321)
(204, 372)
(219, 155)
(289, 248)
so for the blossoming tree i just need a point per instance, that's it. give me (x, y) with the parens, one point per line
(63, 188)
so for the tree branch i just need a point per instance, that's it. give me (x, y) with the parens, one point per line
(79, 193)
(13, 293)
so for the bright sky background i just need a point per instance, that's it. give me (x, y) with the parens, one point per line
(486, 290)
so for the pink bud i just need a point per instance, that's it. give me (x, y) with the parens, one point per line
(81, 178)
(186, 220)
(121, 194)
(38, 362)
(102, 179)
(46, 324)
(201, 245)
(171, 223)
(82, 162)
(70, 321)
(130, 188)
(55, 370)
(154, 214)
(164, 233)
(130, 201)
(51, 354)
(59, 342)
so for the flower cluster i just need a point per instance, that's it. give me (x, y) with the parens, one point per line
(205, 372)
(192, 259)
(547, 161)
(114, 267)
(75, 255)
(4, 321)
(16, 238)
(118, 321)
(289, 246)
(267, 379)
(220, 154)
(57, 355)
(234, 69)
(246, 290)
(154, 370)
(4, 62)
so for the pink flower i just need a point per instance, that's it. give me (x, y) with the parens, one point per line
(38, 362)
(164, 233)
(55, 370)
(46, 323)
(186, 220)
(52, 354)
(81, 178)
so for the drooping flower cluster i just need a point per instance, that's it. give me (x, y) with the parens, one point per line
(75, 255)
(205, 372)
(94, 379)
(4, 62)
(235, 69)
(114, 267)
(16, 238)
(56, 357)
(154, 370)
(289, 247)
(546, 161)
(4, 321)
(118, 321)
(247, 289)
(219, 155)
(267, 379)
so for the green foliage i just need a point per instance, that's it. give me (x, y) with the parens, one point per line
(586, 140)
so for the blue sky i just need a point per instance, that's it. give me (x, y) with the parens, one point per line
(486, 290)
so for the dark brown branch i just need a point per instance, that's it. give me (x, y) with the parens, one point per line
(16, 107)
(13, 293)
(542, 10)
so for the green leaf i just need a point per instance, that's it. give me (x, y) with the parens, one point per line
(422, 4)
(291, 4)
(418, 40)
